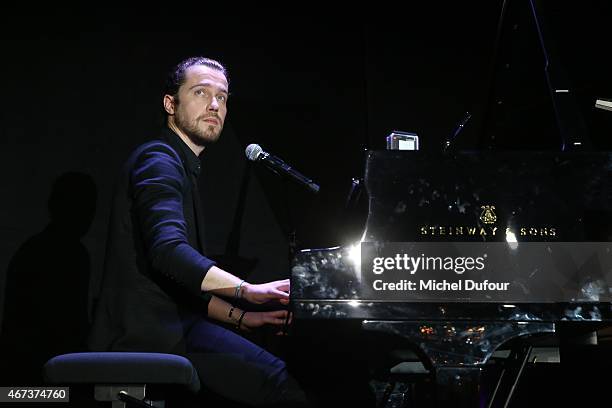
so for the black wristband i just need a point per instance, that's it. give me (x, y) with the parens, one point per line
(240, 318)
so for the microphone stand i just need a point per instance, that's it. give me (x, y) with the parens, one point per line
(290, 226)
(292, 244)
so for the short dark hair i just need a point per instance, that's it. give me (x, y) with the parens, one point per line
(176, 76)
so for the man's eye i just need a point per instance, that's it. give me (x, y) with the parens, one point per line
(221, 98)
(200, 92)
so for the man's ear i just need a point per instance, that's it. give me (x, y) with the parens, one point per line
(169, 104)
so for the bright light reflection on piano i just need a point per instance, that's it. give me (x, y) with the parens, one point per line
(511, 239)
(354, 254)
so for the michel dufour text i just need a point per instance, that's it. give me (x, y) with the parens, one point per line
(412, 265)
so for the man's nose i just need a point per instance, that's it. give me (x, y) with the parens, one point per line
(214, 105)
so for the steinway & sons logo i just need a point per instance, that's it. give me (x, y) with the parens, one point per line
(487, 228)
(488, 214)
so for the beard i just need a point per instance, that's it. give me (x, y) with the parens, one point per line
(200, 133)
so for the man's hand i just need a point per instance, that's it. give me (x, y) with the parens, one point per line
(265, 292)
(253, 320)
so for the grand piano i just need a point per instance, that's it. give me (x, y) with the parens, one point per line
(540, 220)
(531, 231)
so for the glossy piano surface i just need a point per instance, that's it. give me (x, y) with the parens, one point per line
(327, 284)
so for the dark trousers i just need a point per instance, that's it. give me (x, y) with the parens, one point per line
(238, 370)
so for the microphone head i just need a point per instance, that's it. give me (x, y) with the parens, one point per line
(253, 151)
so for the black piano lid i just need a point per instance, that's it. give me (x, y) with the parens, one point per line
(540, 196)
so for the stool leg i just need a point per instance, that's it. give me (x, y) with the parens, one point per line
(128, 399)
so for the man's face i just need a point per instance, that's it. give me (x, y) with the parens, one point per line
(201, 107)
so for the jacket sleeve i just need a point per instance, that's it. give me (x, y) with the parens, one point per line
(158, 182)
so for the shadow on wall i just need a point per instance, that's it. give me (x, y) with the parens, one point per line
(47, 285)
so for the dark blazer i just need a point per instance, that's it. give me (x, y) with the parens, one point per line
(154, 265)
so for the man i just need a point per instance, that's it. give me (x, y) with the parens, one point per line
(160, 293)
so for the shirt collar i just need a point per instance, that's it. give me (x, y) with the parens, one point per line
(191, 162)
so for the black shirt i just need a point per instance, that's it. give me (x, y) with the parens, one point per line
(154, 263)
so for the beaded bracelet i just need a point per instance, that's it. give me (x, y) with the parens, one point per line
(240, 318)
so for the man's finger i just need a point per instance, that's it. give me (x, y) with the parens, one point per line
(278, 313)
(280, 294)
(284, 286)
(274, 320)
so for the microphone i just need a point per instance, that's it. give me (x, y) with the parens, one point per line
(255, 153)
(447, 143)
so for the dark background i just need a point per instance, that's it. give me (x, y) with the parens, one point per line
(82, 88)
